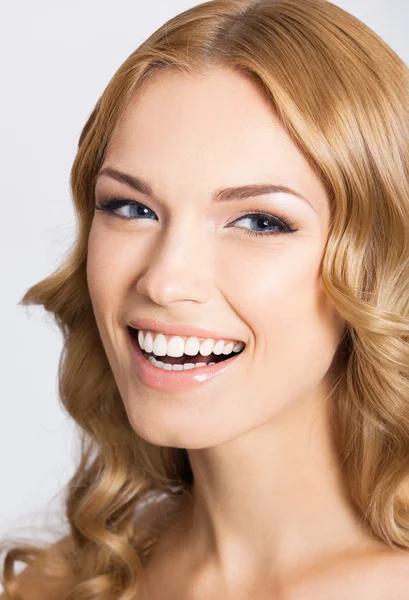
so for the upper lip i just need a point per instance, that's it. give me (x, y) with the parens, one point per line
(147, 324)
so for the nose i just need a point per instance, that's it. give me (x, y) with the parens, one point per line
(179, 268)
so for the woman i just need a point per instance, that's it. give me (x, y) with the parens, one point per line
(235, 317)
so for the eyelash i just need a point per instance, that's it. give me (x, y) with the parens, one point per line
(285, 224)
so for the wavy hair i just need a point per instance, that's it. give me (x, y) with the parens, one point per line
(342, 94)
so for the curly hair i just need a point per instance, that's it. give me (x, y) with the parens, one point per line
(342, 94)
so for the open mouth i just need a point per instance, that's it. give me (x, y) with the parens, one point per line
(185, 358)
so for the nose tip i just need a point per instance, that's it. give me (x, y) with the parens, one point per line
(165, 294)
(169, 280)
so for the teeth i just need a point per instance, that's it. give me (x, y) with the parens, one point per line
(192, 346)
(159, 345)
(184, 367)
(206, 347)
(148, 342)
(218, 348)
(228, 349)
(176, 346)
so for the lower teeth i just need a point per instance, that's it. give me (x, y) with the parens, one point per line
(170, 367)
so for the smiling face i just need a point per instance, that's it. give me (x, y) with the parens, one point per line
(184, 257)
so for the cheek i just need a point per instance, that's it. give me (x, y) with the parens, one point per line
(295, 332)
(108, 274)
(107, 268)
(274, 288)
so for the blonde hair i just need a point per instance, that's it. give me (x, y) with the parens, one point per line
(342, 95)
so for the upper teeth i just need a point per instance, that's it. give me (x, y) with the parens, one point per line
(177, 345)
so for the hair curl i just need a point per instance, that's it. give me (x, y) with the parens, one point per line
(342, 94)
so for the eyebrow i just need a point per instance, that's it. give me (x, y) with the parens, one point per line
(226, 194)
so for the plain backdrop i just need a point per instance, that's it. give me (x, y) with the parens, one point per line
(56, 59)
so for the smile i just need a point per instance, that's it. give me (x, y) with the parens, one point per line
(178, 362)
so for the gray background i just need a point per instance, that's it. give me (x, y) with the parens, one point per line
(56, 59)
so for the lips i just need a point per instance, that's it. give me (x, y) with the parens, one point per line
(179, 380)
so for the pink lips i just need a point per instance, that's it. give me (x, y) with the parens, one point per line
(170, 381)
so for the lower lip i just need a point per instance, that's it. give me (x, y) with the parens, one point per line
(175, 381)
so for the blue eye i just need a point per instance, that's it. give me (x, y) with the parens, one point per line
(267, 224)
(265, 221)
(136, 209)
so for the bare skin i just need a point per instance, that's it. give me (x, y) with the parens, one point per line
(373, 571)
(270, 513)
(381, 576)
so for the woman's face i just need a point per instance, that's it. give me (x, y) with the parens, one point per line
(181, 257)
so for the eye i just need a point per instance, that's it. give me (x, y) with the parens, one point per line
(267, 224)
(130, 209)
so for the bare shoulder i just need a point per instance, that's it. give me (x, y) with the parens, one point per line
(32, 586)
(396, 575)
(382, 575)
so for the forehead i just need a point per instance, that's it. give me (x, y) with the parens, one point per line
(207, 130)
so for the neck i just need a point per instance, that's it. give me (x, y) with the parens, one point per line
(274, 496)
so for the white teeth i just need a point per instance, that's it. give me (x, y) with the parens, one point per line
(176, 346)
(218, 348)
(192, 346)
(159, 345)
(169, 367)
(206, 347)
(148, 342)
(228, 349)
